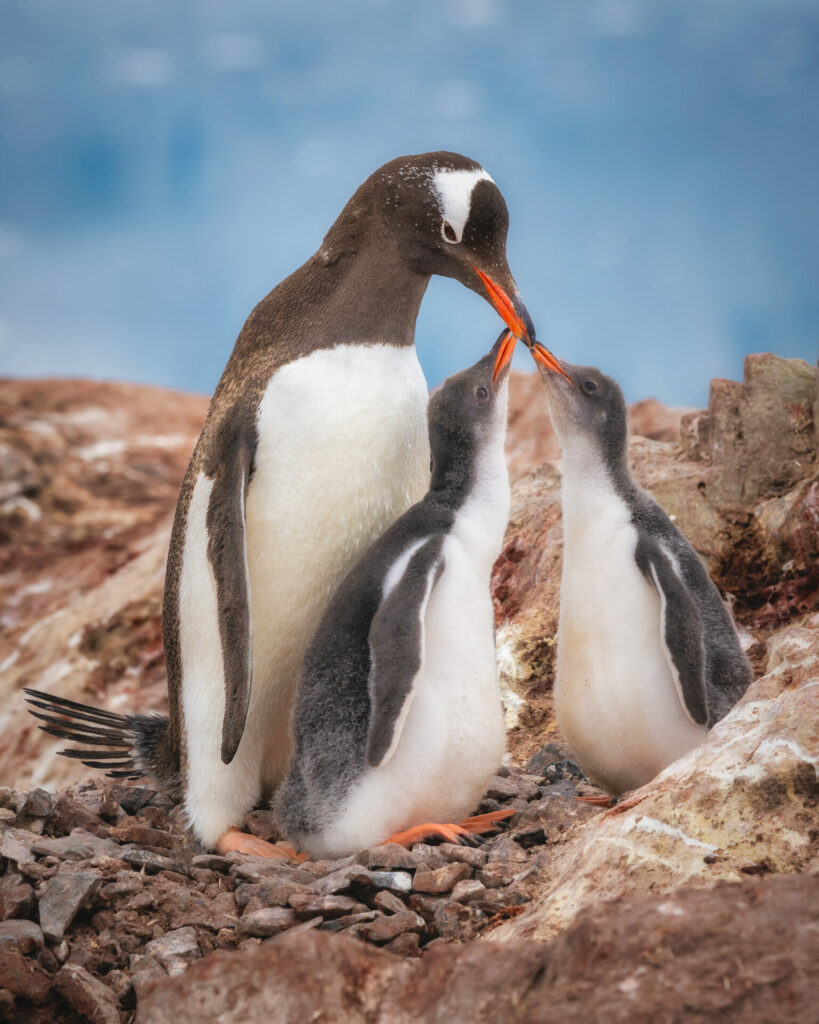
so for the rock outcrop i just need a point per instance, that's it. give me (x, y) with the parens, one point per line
(89, 476)
(693, 899)
(635, 961)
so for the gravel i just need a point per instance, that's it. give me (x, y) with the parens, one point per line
(102, 892)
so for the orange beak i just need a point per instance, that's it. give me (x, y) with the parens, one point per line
(544, 357)
(504, 355)
(505, 307)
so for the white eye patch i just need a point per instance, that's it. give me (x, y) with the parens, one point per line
(454, 190)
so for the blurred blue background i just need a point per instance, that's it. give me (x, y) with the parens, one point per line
(164, 164)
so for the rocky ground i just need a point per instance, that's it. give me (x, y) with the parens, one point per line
(694, 901)
(104, 892)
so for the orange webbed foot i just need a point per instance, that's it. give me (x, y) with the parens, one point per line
(433, 830)
(243, 842)
(489, 823)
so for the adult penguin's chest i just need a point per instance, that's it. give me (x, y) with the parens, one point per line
(342, 451)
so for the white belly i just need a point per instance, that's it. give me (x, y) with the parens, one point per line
(454, 736)
(342, 452)
(617, 705)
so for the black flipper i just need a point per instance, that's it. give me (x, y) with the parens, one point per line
(227, 553)
(397, 648)
(681, 628)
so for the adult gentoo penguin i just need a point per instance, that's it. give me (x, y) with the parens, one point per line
(648, 658)
(315, 441)
(397, 724)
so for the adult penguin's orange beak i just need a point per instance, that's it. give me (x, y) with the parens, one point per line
(513, 313)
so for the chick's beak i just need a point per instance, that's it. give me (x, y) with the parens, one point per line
(502, 359)
(543, 357)
(514, 314)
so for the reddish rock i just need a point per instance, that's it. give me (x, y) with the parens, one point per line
(471, 855)
(455, 922)
(744, 800)
(135, 832)
(62, 898)
(468, 890)
(741, 953)
(307, 905)
(761, 432)
(23, 976)
(349, 921)
(441, 879)
(392, 857)
(312, 976)
(385, 929)
(20, 937)
(387, 901)
(406, 944)
(16, 900)
(89, 476)
(88, 996)
(266, 922)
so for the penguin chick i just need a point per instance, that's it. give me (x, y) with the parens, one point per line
(648, 658)
(398, 717)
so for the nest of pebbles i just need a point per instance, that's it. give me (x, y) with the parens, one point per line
(102, 890)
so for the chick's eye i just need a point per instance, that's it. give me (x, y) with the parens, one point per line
(449, 232)
(481, 394)
(589, 386)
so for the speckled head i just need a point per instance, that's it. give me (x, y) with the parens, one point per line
(444, 215)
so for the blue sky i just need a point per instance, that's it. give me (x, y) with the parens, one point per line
(164, 164)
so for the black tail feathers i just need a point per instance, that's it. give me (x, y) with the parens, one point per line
(135, 739)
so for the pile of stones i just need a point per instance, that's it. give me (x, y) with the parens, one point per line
(103, 891)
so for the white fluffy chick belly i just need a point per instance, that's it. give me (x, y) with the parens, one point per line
(617, 706)
(453, 738)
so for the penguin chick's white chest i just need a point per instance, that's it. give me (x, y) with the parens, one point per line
(453, 737)
(342, 451)
(617, 703)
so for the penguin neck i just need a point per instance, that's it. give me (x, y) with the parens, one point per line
(379, 294)
(471, 478)
(453, 467)
(593, 490)
(366, 294)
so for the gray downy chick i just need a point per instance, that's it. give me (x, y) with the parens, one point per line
(648, 658)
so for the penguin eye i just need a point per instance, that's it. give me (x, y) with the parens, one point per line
(589, 386)
(448, 232)
(481, 394)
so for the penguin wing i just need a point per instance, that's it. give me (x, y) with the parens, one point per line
(227, 554)
(681, 628)
(396, 642)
